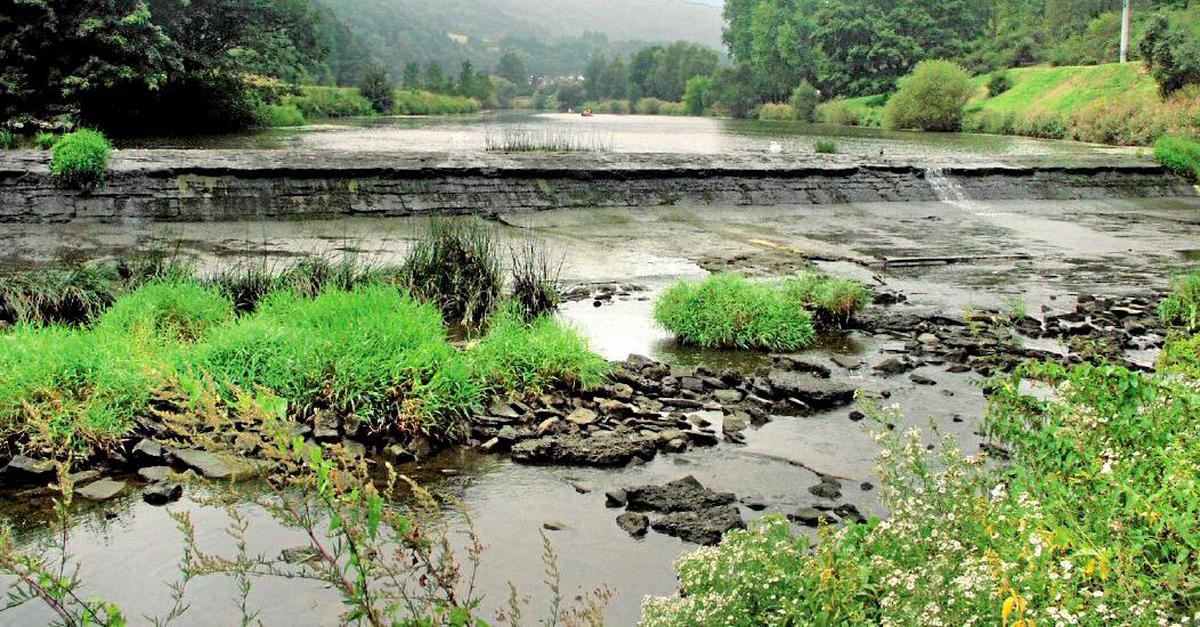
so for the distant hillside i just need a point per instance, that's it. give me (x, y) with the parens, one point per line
(449, 31)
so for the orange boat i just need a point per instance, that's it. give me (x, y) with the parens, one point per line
(587, 113)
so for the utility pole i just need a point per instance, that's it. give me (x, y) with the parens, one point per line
(1125, 23)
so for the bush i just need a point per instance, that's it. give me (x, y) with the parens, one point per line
(727, 311)
(282, 116)
(774, 111)
(1077, 528)
(673, 108)
(698, 95)
(614, 107)
(413, 102)
(167, 312)
(317, 103)
(1181, 308)
(1171, 49)
(378, 89)
(932, 98)
(248, 284)
(649, 106)
(372, 353)
(832, 299)
(520, 357)
(998, 83)
(1181, 356)
(79, 160)
(45, 141)
(456, 267)
(804, 101)
(825, 147)
(8, 141)
(1180, 155)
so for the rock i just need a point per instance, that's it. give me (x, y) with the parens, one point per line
(791, 363)
(354, 449)
(615, 498)
(929, 340)
(705, 526)
(299, 555)
(850, 513)
(84, 476)
(101, 490)
(25, 470)
(508, 434)
(829, 488)
(735, 423)
(421, 447)
(162, 493)
(502, 410)
(581, 488)
(693, 384)
(554, 525)
(681, 403)
(893, 366)
(598, 450)
(700, 437)
(221, 467)
(400, 455)
(490, 445)
(147, 451)
(325, 426)
(634, 524)
(867, 486)
(813, 391)
(849, 362)
(547, 426)
(686, 494)
(727, 396)
(613, 407)
(622, 392)
(857, 416)
(154, 474)
(812, 517)
(921, 379)
(583, 416)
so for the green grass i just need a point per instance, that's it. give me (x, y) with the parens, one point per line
(283, 116)
(1181, 308)
(727, 311)
(1179, 154)
(546, 140)
(1181, 356)
(8, 140)
(520, 357)
(79, 160)
(775, 111)
(456, 266)
(416, 102)
(69, 296)
(318, 103)
(832, 299)
(167, 312)
(825, 147)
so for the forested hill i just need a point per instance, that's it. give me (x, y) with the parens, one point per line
(557, 36)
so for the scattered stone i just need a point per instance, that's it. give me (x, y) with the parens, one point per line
(547, 426)
(829, 488)
(154, 474)
(705, 526)
(727, 396)
(814, 391)
(221, 467)
(162, 493)
(921, 379)
(325, 427)
(812, 517)
(554, 525)
(849, 362)
(622, 392)
(101, 490)
(893, 366)
(686, 494)
(615, 498)
(25, 470)
(929, 340)
(702, 438)
(579, 487)
(850, 513)
(608, 449)
(867, 486)
(634, 524)
(147, 451)
(792, 363)
(583, 416)
(502, 410)
(857, 416)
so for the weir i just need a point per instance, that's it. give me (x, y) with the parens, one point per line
(173, 185)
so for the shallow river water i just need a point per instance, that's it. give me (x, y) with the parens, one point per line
(128, 550)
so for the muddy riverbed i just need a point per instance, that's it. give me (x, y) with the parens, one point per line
(1036, 256)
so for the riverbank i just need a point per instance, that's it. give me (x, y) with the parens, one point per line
(231, 185)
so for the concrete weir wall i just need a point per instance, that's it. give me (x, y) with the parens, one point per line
(239, 185)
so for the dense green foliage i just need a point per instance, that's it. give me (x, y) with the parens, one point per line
(1171, 49)
(410, 102)
(456, 265)
(524, 357)
(318, 103)
(697, 95)
(378, 89)
(79, 160)
(804, 101)
(1180, 154)
(727, 311)
(930, 99)
(832, 299)
(656, 72)
(167, 311)
(1093, 521)
(998, 82)
(281, 116)
(1181, 308)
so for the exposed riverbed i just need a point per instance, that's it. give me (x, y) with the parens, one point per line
(1041, 254)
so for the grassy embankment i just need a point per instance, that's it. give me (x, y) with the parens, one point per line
(88, 354)
(1091, 519)
(1113, 104)
(310, 103)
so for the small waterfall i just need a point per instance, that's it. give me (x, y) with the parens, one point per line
(946, 190)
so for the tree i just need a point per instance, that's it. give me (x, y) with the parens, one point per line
(412, 75)
(804, 101)
(511, 67)
(435, 78)
(570, 95)
(378, 89)
(697, 97)
(1172, 52)
(595, 86)
(931, 98)
(505, 90)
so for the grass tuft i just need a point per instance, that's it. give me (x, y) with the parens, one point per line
(1180, 155)
(1181, 308)
(536, 290)
(168, 311)
(456, 266)
(727, 311)
(826, 147)
(520, 357)
(79, 160)
(832, 299)
(546, 140)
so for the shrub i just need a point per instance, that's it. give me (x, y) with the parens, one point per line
(167, 312)
(804, 101)
(932, 98)
(673, 108)
(1181, 356)
(1120, 121)
(372, 353)
(282, 116)
(67, 389)
(318, 103)
(1172, 51)
(727, 311)
(456, 267)
(649, 106)
(614, 107)
(998, 82)
(535, 285)
(837, 112)
(1077, 528)
(520, 357)
(1181, 308)
(825, 147)
(774, 111)
(832, 299)
(698, 95)
(1180, 155)
(377, 87)
(412, 102)
(79, 160)
(45, 141)
(8, 140)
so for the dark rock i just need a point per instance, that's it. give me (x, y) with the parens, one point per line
(634, 524)
(686, 494)
(893, 366)
(681, 403)
(154, 474)
(213, 466)
(502, 410)
(814, 391)
(857, 416)
(921, 380)
(101, 490)
(326, 426)
(615, 498)
(607, 449)
(554, 525)
(829, 488)
(700, 437)
(148, 452)
(867, 486)
(812, 517)
(849, 362)
(705, 526)
(693, 384)
(792, 363)
(26, 470)
(850, 513)
(162, 493)
(727, 396)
